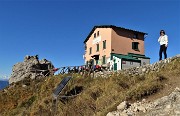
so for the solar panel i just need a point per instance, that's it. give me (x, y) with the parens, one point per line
(60, 86)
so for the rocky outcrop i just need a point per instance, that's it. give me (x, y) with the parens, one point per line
(165, 106)
(31, 67)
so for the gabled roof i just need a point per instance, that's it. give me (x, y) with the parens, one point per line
(138, 55)
(109, 26)
(125, 57)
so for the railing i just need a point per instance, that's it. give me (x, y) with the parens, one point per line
(74, 69)
(83, 69)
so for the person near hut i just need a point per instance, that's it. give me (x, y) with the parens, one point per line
(163, 40)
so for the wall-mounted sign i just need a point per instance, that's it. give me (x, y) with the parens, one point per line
(123, 62)
(144, 63)
(96, 40)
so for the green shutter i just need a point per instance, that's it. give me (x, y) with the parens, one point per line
(97, 47)
(96, 62)
(115, 66)
(104, 59)
(90, 50)
(132, 45)
(136, 45)
(104, 44)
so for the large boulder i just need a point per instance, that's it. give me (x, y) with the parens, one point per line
(32, 68)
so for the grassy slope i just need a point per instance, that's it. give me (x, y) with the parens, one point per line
(99, 95)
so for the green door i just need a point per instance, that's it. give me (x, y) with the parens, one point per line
(96, 62)
(115, 66)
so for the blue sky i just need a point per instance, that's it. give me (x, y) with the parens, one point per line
(55, 30)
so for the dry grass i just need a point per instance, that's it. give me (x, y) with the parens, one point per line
(98, 97)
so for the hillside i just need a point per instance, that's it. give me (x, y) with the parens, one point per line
(98, 96)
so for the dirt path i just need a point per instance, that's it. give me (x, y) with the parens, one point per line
(169, 87)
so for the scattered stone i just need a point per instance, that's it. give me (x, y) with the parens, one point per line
(143, 100)
(5, 90)
(167, 105)
(23, 85)
(122, 106)
(142, 108)
(143, 70)
(110, 114)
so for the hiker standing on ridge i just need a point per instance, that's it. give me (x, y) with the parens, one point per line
(163, 40)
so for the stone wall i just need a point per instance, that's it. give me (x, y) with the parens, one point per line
(149, 67)
(135, 71)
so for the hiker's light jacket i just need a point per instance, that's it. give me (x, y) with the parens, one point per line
(163, 40)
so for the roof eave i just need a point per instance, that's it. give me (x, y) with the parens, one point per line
(109, 26)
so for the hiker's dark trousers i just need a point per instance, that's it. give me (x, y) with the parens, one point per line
(163, 49)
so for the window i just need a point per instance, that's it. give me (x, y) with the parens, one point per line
(135, 36)
(90, 50)
(97, 47)
(135, 45)
(98, 33)
(104, 44)
(104, 59)
(94, 35)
